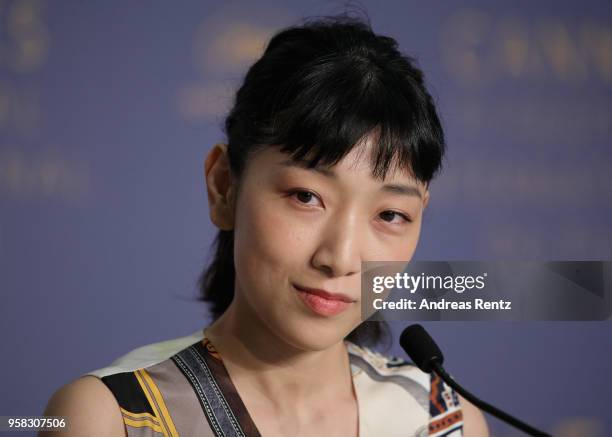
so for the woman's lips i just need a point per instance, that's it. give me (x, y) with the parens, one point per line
(323, 302)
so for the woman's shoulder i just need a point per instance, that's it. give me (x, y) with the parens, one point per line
(97, 401)
(147, 355)
(130, 388)
(89, 407)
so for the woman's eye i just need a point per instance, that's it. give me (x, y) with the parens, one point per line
(392, 214)
(304, 196)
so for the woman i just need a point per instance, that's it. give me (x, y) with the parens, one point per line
(332, 142)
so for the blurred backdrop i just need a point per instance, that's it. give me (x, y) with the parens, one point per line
(107, 111)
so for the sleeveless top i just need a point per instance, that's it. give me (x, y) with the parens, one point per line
(180, 387)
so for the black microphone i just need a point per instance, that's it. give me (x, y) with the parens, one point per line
(426, 354)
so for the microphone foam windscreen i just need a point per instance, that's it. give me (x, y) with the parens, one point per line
(420, 347)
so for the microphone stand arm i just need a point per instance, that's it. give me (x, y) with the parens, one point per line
(439, 370)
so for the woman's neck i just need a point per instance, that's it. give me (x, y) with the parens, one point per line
(261, 362)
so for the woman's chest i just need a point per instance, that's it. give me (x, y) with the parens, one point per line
(337, 420)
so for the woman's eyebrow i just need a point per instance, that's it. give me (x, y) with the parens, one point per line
(406, 190)
(304, 165)
(402, 189)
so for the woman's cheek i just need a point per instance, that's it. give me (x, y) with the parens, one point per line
(288, 231)
(405, 253)
(270, 231)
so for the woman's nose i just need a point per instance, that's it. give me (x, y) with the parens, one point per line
(338, 252)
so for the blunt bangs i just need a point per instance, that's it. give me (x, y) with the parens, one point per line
(332, 105)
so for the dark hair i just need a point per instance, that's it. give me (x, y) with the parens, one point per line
(318, 89)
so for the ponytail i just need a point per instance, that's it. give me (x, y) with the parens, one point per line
(216, 282)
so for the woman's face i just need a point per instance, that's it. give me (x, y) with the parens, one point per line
(295, 226)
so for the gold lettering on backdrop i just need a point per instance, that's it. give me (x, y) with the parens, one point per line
(478, 47)
(224, 45)
(45, 174)
(43, 171)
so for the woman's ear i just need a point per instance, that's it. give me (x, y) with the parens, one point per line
(220, 187)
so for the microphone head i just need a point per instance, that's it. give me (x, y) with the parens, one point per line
(421, 348)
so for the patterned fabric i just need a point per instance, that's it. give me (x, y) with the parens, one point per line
(180, 387)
